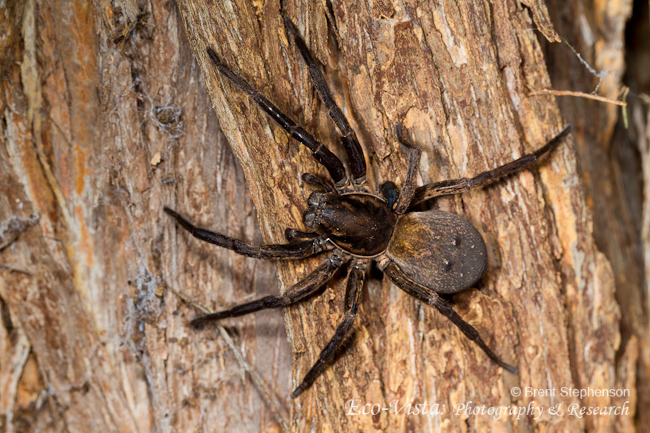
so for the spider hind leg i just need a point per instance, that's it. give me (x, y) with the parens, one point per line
(327, 355)
(302, 290)
(428, 296)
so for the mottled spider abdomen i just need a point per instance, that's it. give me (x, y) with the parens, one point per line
(439, 250)
(359, 223)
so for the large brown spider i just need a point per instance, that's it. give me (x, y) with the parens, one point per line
(423, 253)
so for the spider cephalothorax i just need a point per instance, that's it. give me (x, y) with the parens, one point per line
(360, 224)
(423, 253)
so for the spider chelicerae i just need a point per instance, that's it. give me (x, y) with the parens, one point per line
(423, 253)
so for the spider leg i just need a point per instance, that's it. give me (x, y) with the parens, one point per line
(352, 299)
(408, 189)
(349, 137)
(326, 158)
(427, 295)
(456, 186)
(319, 181)
(302, 290)
(292, 235)
(292, 251)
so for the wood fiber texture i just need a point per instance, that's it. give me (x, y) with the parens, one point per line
(106, 119)
(613, 158)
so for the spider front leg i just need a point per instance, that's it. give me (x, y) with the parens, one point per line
(352, 299)
(349, 139)
(291, 251)
(456, 186)
(326, 158)
(302, 290)
(426, 295)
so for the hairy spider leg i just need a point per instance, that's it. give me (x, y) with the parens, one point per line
(408, 189)
(349, 137)
(302, 290)
(456, 186)
(352, 301)
(292, 251)
(319, 181)
(326, 158)
(427, 295)
(292, 235)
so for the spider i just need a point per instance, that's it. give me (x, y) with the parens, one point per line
(423, 253)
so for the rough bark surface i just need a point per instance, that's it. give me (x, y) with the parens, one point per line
(610, 154)
(106, 119)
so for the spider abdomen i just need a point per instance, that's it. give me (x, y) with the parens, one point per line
(359, 223)
(439, 250)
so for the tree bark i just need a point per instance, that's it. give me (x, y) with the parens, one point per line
(106, 120)
(610, 155)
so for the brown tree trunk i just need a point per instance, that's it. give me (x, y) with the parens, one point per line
(613, 157)
(106, 119)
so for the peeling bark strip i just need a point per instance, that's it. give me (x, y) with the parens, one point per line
(93, 92)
